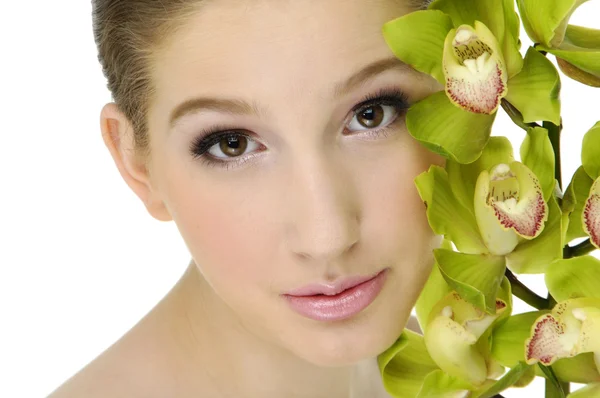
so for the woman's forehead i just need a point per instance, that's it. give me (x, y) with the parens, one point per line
(233, 47)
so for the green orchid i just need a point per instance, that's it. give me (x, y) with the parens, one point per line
(407, 370)
(577, 49)
(508, 349)
(472, 50)
(568, 337)
(497, 212)
(582, 198)
(456, 338)
(453, 358)
(572, 328)
(592, 390)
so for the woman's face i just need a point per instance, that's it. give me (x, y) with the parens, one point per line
(312, 189)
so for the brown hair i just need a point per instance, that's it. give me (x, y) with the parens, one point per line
(128, 35)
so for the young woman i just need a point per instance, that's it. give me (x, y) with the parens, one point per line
(272, 133)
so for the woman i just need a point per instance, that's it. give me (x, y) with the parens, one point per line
(272, 133)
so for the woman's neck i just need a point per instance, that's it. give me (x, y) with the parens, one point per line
(215, 351)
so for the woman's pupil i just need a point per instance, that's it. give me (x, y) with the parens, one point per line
(371, 117)
(234, 146)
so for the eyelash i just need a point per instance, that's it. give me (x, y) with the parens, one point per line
(214, 135)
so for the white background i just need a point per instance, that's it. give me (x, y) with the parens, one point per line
(81, 261)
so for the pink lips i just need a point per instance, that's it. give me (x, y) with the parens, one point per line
(338, 301)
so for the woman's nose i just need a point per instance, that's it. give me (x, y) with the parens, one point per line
(323, 212)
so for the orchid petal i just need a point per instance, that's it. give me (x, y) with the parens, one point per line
(443, 209)
(476, 76)
(508, 339)
(586, 40)
(574, 278)
(545, 21)
(580, 49)
(441, 385)
(405, 364)
(574, 202)
(448, 130)
(512, 377)
(476, 277)
(590, 391)
(434, 290)
(418, 39)
(534, 256)
(577, 74)
(578, 369)
(590, 152)
(535, 90)
(591, 214)
(537, 154)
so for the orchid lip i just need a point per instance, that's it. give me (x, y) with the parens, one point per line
(476, 77)
(591, 214)
(331, 289)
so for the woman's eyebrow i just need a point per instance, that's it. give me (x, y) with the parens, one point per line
(241, 107)
(370, 70)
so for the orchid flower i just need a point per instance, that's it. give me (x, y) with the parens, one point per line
(453, 334)
(453, 358)
(577, 49)
(497, 212)
(568, 337)
(472, 50)
(582, 198)
(572, 328)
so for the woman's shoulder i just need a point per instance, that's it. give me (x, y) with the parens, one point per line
(104, 376)
(114, 373)
(134, 366)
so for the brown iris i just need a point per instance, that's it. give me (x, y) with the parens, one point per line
(234, 145)
(371, 117)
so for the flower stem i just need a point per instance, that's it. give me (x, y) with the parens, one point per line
(581, 249)
(554, 136)
(525, 294)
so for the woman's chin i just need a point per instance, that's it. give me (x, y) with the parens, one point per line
(347, 347)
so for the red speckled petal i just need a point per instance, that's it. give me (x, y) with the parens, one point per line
(591, 214)
(528, 215)
(544, 346)
(479, 94)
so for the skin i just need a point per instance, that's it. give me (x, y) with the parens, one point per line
(316, 205)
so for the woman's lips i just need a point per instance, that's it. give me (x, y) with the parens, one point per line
(336, 302)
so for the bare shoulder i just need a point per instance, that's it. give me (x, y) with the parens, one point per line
(132, 367)
(100, 378)
(117, 372)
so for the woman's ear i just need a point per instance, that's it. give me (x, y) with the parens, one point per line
(117, 134)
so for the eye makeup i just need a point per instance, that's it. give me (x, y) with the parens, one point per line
(393, 98)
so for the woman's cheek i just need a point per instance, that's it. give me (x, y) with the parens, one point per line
(223, 240)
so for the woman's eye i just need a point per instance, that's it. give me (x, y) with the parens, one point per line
(373, 116)
(233, 146)
(223, 148)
